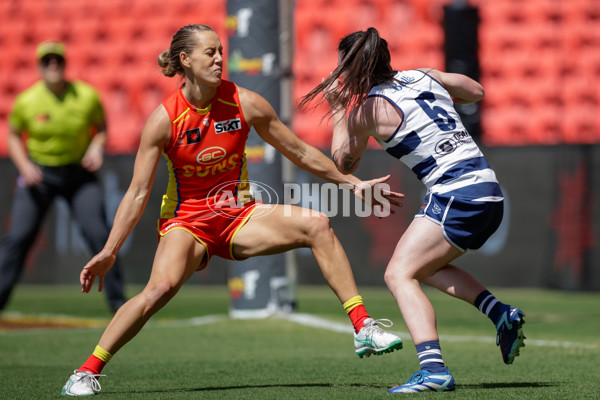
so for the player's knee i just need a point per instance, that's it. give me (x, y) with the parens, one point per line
(318, 227)
(394, 277)
(398, 275)
(156, 296)
(389, 277)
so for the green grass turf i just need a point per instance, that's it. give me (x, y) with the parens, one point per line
(278, 359)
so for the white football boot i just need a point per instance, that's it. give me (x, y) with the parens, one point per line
(82, 383)
(373, 340)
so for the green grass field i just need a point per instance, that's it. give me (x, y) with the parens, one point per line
(180, 356)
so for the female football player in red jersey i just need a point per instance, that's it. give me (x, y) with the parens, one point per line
(201, 129)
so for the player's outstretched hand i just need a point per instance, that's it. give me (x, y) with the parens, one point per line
(376, 192)
(96, 267)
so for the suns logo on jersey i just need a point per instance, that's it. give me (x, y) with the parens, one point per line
(229, 125)
(218, 167)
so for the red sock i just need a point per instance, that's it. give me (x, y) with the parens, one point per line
(93, 364)
(357, 315)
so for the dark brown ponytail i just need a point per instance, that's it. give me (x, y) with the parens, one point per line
(365, 62)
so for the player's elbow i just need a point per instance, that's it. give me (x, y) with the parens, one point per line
(478, 94)
(347, 171)
(471, 97)
(345, 167)
(475, 92)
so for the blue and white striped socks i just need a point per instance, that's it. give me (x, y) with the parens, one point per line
(430, 356)
(490, 306)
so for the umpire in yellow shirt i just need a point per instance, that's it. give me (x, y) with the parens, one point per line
(64, 147)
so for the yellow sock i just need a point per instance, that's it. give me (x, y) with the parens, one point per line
(352, 303)
(102, 354)
(97, 361)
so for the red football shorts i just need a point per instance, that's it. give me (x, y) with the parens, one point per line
(214, 228)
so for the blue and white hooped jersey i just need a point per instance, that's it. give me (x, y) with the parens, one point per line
(432, 141)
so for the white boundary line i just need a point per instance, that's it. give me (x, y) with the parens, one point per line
(319, 322)
(304, 319)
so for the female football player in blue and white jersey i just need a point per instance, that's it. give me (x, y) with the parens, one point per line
(411, 114)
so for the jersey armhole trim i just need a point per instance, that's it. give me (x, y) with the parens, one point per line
(432, 78)
(397, 108)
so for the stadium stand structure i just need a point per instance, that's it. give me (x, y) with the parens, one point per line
(111, 44)
(539, 59)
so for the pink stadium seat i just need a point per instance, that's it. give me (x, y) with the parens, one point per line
(33, 11)
(539, 58)
(541, 11)
(581, 91)
(499, 38)
(357, 15)
(588, 63)
(508, 125)
(396, 22)
(148, 8)
(81, 8)
(580, 124)
(84, 31)
(8, 9)
(124, 124)
(545, 64)
(317, 57)
(122, 28)
(304, 21)
(16, 31)
(545, 125)
(582, 37)
(310, 128)
(52, 29)
(315, 4)
(581, 12)
(501, 12)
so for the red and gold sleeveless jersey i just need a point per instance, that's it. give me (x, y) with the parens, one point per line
(205, 156)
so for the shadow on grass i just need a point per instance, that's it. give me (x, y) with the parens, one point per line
(479, 386)
(509, 385)
(266, 386)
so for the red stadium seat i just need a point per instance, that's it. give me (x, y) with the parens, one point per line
(317, 57)
(508, 125)
(538, 59)
(581, 12)
(311, 128)
(396, 24)
(84, 31)
(124, 124)
(357, 15)
(540, 11)
(545, 124)
(52, 29)
(499, 38)
(580, 124)
(501, 12)
(582, 37)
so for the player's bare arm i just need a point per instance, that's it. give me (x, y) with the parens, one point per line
(343, 158)
(262, 117)
(345, 148)
(350, 138)
(259, 113)
(155, 136)
(463, 89)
